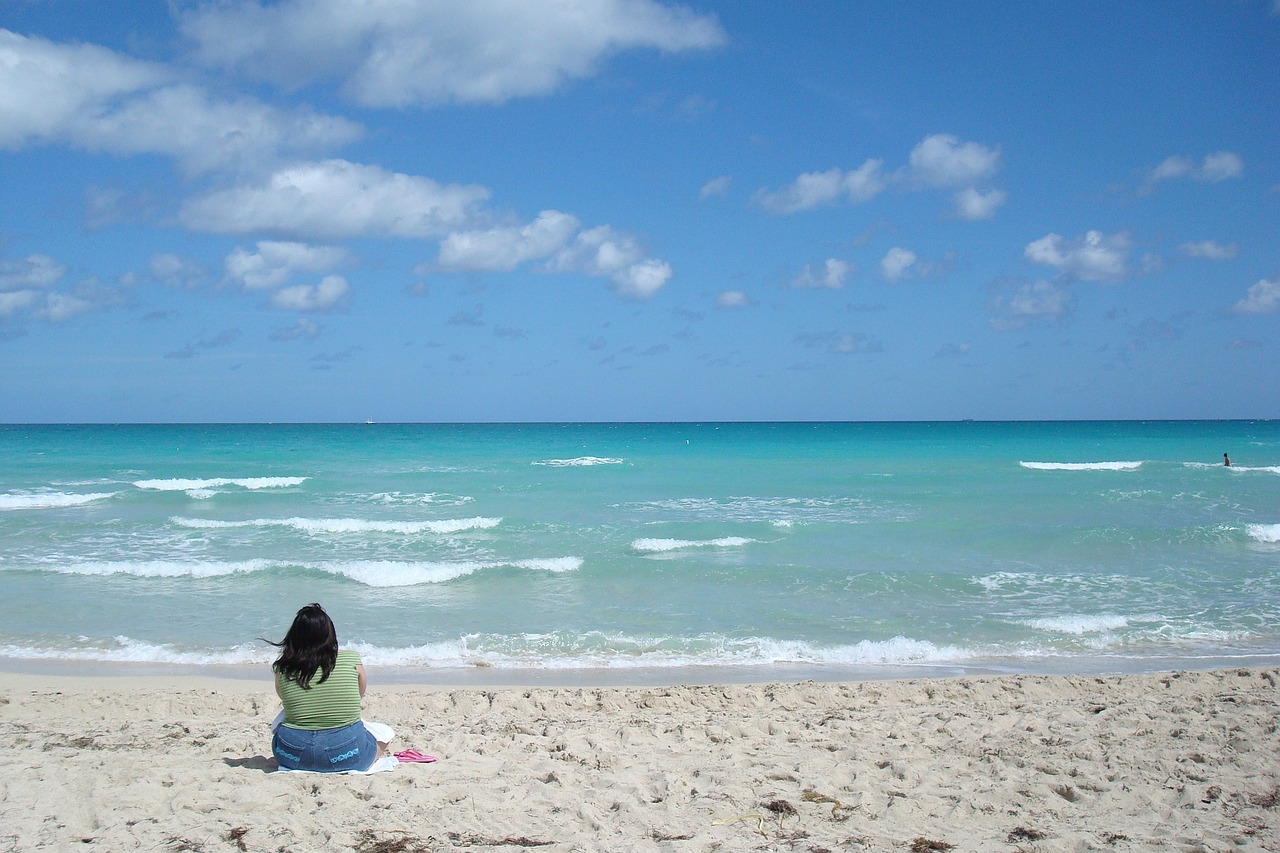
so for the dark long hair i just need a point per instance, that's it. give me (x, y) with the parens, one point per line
(311, 645)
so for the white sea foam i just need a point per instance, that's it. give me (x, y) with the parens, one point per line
(777, 510)
(127, 650)
(599, 650)
(331, 526)
(661, 545)
(408, 499)
(579, 462)
(1264, 532)
(1235, 469)
(178, 484)
(391, 573)
(1082, 466)
(1077, 625)
(531, 651)
(164, 568)
(50, 500)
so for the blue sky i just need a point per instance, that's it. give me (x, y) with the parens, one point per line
(497, 210)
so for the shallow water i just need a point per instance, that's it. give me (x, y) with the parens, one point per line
(518, 553)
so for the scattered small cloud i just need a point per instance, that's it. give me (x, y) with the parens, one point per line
(1213, 168)
(897, 262)
(1262, 298)
(191, 350)
(304, 328)
(274, 263)
(974, 204)
(843, 343)
(901, 264)
(732, 299)
(176, 271)
(26, 291)
(335, 199)
(942, 161)
(504, 249)
(468, 318)
(1020, 304)
(325, 361)
(716, 187)
(332, 292)
(856, 342)
(830, 275)
(559, 242)
(1209, 250)
(1093, 257)
(939, 162)
(819, 189)
(34, 272)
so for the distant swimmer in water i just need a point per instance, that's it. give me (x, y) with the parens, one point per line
(1226, 460)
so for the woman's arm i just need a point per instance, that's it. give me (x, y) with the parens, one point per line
(361, 678)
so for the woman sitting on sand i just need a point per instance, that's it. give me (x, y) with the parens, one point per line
(321, 686)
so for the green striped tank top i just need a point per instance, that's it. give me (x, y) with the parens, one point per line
(328, 705)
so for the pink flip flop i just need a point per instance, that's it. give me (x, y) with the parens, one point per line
(412, 756)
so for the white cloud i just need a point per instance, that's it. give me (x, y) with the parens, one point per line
(943, 161)
(1034, 302)
(558, 241)
(601, 251)
(92, 98)
(856, 342)
(332, 290)
(11, 302)
(715, 187)
(334, 199)
(816, 189)
(33, 271)
(25, 288)
(175, 271)
(1094, 257)
(1262, 298)
(1220, 166)
(304, 328)
(62, 306)
(1215, 167)
(405, 52)
(938, 162)
(1210, 250)
(732, 299)
(506, 248)
(830, 275)
(45, 87)
(642, 280)
(974, 204)
(274, 263)
(897, 262)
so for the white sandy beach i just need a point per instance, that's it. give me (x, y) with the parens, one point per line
(1183, 761)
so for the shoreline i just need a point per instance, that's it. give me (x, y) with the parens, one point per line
(1179, 760)
(485, 677)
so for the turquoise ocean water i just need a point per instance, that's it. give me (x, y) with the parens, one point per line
(642, 552)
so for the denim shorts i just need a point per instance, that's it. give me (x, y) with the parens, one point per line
(325, 750)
